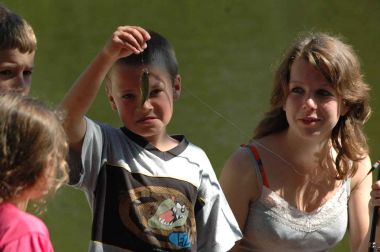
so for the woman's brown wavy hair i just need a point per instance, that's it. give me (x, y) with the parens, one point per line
(340, 66)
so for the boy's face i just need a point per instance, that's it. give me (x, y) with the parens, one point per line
(150, 119)
(16, 71)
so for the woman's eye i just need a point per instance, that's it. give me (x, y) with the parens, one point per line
(323, 93)
(296, 90)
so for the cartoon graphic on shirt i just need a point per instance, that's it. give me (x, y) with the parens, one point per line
(168, 215)
(159, 213)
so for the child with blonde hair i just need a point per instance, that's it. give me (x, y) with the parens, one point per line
(33, 149)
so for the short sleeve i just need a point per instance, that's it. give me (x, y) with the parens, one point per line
(85, 167)
(35, 242)
(217, 228)
(89, 159)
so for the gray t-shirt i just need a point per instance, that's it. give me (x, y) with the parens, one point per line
(147, 200)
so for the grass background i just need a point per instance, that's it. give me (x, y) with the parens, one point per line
(227, 50)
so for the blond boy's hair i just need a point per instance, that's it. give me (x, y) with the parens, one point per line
(15, 32)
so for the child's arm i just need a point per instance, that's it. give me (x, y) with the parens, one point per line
(124, 41)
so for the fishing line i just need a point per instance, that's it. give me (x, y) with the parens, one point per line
(220, 115)
(243, 133)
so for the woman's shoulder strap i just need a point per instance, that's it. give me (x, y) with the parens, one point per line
(256, 158)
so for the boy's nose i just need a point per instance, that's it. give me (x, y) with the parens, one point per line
(147, 105)
(21, 84)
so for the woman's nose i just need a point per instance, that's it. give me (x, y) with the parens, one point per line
(310, 103)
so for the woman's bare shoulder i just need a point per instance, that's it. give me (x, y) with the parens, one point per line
(239, 173)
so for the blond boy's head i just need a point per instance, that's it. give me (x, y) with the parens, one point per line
(17, 49)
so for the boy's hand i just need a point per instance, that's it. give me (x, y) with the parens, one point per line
(125, 41)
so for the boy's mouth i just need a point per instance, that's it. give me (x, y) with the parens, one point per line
(146, 118)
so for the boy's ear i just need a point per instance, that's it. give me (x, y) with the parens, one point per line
(110, 98)
(177, 87)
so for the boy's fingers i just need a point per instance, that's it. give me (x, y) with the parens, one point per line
(144, 33)
(135, 35)
(126, 41)
(131, 40)
(139, 31)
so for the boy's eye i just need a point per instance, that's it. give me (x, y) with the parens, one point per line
(128, 96)
(6, 73)
(155, 92)
(27, 73)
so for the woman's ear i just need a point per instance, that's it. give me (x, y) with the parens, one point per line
(344, 108)
(177, 86)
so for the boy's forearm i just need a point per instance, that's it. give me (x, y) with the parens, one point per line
(81, 95)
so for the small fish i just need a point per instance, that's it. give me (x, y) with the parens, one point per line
(144, 88)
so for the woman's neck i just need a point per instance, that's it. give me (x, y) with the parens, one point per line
(304, 152)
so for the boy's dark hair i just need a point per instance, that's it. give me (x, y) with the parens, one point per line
(15, 32)
(159, 52)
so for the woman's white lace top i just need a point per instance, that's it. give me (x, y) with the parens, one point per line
(275, 225)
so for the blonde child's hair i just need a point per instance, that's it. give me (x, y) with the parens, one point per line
(33, 145)
(15, 32)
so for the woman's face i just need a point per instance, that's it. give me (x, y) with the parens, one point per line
(312, 106)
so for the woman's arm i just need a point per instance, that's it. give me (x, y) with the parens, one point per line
(359, 207)
(239, 183)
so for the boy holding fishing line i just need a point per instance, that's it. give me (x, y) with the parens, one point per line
(149, 191)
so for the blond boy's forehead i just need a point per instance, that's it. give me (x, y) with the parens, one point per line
(15, 56)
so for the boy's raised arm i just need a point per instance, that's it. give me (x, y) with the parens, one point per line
(124, 41)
